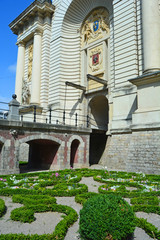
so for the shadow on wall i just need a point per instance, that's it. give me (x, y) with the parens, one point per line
(1, 145)
(74, 152)
(99, 112)
(97, 147)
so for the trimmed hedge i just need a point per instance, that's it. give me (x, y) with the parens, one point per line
(82, 198)
(60, 229)
(147, 208)
(65, 184)
(60, 190)
(106, 215)
(2, 207)
(33, 199)
(145, 201)
(149, 228)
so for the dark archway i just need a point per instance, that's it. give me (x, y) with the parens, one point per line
(74, 152)
(42, 154)
(98, 142)
(99, 111)
(1, 145)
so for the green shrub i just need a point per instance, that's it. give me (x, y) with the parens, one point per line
(82, 198)
(106, 215)
(23, 215)
(33, 199)
(149, 228)
(2, 207)
(147, 209)
(145, 201)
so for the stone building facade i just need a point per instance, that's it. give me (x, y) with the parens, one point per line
(99, 58)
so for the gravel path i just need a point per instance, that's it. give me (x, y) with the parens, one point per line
(46, 222)
(40, 225)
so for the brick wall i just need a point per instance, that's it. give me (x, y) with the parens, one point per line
(138, 151)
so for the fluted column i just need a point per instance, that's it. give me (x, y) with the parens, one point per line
(36, 68)
(20, 71)
(151, 35)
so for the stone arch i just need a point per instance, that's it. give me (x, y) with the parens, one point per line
(72, 138)
(75, 147)
(43, 151)
(74, 152)
(40, 136)
(68, 18)
(2, 141)
(99, 120)
(77, 11)
(99, 112)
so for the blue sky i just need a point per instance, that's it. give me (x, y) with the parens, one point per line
(10, 9)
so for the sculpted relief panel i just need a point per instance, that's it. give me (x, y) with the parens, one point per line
(94, 34)
(27, 80)
(95, 26)
(25, 93)
(30, 60)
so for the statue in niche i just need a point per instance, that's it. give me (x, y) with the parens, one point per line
(25, 93)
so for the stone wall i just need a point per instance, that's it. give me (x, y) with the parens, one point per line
(134, 152)
(49, 145)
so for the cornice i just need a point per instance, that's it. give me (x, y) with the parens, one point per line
(36, 8)
(146, 79)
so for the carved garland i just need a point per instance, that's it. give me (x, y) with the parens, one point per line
(30, 60)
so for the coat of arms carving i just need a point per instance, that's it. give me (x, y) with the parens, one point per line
(95, 26)
(95, 59)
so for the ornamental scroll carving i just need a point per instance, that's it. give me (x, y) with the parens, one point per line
(95, 26)
(30, 60)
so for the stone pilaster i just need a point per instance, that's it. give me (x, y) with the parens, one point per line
(151, 35)
(20, 71)
(36, 69)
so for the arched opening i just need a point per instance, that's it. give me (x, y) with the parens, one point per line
(23, 156)
(98, 108)
(99, 123)
(42, 154)
(74, 152)
(1, 145)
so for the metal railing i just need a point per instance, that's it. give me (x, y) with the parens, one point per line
(59, 117)
(4, 110)
(50, 116)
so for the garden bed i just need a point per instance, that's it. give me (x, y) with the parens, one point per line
(37, 192)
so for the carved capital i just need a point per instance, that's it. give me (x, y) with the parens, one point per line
(38, 32)
(21, 44)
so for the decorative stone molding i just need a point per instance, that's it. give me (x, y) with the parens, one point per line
(95, 26)
(14, 133)
(30, 61)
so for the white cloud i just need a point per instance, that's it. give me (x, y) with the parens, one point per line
(12, 68)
